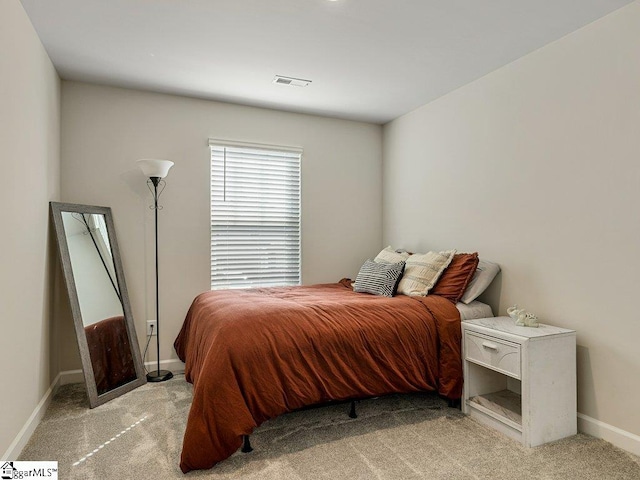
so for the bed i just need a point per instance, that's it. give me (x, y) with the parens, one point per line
(255, 354)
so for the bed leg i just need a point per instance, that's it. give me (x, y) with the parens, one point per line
(246, 445)
(352, 410)
(457, 403)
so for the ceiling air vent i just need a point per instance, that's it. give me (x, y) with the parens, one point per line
(295, 82)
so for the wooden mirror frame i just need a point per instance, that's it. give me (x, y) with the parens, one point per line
(63, 248)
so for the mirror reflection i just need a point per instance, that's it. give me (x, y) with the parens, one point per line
(92, 265)
(108, 345)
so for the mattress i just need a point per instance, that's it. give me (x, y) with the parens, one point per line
(474, 310)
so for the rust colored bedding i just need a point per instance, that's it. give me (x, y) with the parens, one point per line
(255, 354)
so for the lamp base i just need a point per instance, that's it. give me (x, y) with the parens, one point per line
(159, 375)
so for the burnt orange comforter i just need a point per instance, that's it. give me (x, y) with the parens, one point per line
(255, 354)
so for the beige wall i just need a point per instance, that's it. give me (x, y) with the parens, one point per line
(105, 130)
(29, 155)
(537, 167)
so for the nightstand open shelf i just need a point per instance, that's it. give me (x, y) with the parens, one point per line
(520, 381)
(505, 406)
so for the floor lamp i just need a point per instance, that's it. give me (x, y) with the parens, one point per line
(156, 170)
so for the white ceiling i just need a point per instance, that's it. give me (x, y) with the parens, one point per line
(370, 60)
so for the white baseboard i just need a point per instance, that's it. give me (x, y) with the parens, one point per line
(174, 365)
(32, 422)
(70, 376)
(618, 437)
(76, 376)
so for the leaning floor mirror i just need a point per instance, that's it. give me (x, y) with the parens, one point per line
(92, 267)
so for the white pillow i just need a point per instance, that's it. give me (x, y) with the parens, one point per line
(422, 270)
(389, 255)
(485, 273)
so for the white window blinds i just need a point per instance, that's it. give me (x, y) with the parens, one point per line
(255, 216)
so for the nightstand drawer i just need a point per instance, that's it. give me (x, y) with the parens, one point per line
(493, 353)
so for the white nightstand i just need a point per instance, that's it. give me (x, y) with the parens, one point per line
(520, 380)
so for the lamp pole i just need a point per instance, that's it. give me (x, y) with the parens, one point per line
(158, 375)
(155, 170)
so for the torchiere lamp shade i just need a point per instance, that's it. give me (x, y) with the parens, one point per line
(155, 168)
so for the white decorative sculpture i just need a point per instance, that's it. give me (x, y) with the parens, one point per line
(522, 317)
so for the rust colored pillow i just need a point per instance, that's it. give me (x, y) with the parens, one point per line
(454, 280)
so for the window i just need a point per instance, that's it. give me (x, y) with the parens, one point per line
(255, 215)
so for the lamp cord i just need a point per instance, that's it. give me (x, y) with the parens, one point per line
(147, 348)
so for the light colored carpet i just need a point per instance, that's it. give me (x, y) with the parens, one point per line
(139, 436)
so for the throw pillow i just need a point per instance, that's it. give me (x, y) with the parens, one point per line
(389, 255)
(378, 278)
(422, 271)
(454, 280)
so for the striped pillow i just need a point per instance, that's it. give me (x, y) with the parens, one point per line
(422, 272)
(378, 278)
